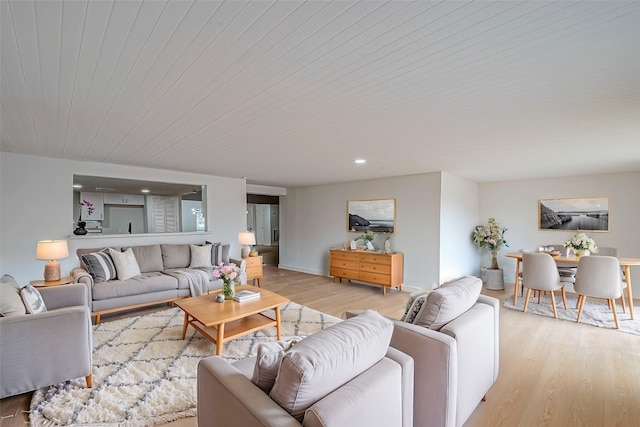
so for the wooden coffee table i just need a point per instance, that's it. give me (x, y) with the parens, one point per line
(221, 322)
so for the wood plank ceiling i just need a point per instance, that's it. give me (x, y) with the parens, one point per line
(289, 93)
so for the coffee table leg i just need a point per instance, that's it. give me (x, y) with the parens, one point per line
(220, 339)
(278, 322)
(184, 327)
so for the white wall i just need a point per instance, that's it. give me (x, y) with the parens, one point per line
(515, 205)
(314, 219)
(36, 203)
(458, 218)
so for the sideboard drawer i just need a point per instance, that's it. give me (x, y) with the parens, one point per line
(344, 255)
(339, 263)
(375, 258)
(375, 268)
(380, 279)
(344, 273)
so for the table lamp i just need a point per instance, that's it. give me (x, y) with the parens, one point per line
(52, 250)
(246, 238)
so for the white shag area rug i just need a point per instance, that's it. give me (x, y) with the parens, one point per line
(145, 373)
(595, 312)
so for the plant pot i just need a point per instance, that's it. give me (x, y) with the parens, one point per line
(493, 279)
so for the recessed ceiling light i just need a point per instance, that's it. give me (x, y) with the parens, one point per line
(359, 161)
(77, 186)
(144, 190)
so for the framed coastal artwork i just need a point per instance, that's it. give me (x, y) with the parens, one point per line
(377, 215)
(584, 214)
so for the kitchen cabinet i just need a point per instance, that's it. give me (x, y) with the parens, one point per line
(97, 199)
(124, 199)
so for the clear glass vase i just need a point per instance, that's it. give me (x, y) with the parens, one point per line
(228, 289)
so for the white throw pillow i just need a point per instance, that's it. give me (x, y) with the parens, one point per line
(448, 302)
(200, 256)
(126, 264)
(268, 360)
(32, 299)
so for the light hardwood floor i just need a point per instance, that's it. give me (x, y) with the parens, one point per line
(552, 372)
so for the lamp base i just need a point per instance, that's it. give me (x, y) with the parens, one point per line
(52, 271)
(244, 253)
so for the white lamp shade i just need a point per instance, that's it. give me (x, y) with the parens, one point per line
(247, 238)
(52, 249)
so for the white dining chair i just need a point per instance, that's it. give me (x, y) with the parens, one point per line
(539, 273)
(607, 251)
(598, 277)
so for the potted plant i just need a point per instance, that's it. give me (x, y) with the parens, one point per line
(581, 244)
(368, 239)
(491, 237)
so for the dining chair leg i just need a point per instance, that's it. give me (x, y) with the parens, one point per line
(553, 304)
(526, 300)
(539, 293)
(581, 299)
(624, 309)
(615, 312)
(564, 299)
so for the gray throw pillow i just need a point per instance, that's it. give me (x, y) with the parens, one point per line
(32, 299)
(10, 302)
(268, 360)
(449, 301)
(100, 266)
(126, 264)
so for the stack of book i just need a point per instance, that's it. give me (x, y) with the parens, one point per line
(243, 296)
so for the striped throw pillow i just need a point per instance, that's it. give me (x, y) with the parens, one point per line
(100, 266)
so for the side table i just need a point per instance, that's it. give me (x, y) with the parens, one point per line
(254, 269)
(42, 283)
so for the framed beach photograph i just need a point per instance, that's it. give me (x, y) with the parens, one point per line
(584, 214)
(378, 215)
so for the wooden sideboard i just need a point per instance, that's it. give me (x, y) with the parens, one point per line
(377, 268)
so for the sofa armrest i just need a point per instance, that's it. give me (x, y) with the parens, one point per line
(495, 304)
(227, 397)
(436, 374)
(80, 275)
(475, 336)
(64, 296)
(43, 349)
(242, 264)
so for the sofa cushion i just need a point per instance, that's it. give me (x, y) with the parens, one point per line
(10, 302)
(126, 264)
(200, 256)
(175, 256)
(449, 301)
(149, 258)
(326, 360)
(99, 265)
(269, 356)
(32, 300)
(142, 284)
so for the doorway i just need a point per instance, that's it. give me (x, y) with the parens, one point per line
(263, 218)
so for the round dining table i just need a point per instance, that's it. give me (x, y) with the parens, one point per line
(625, 263)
